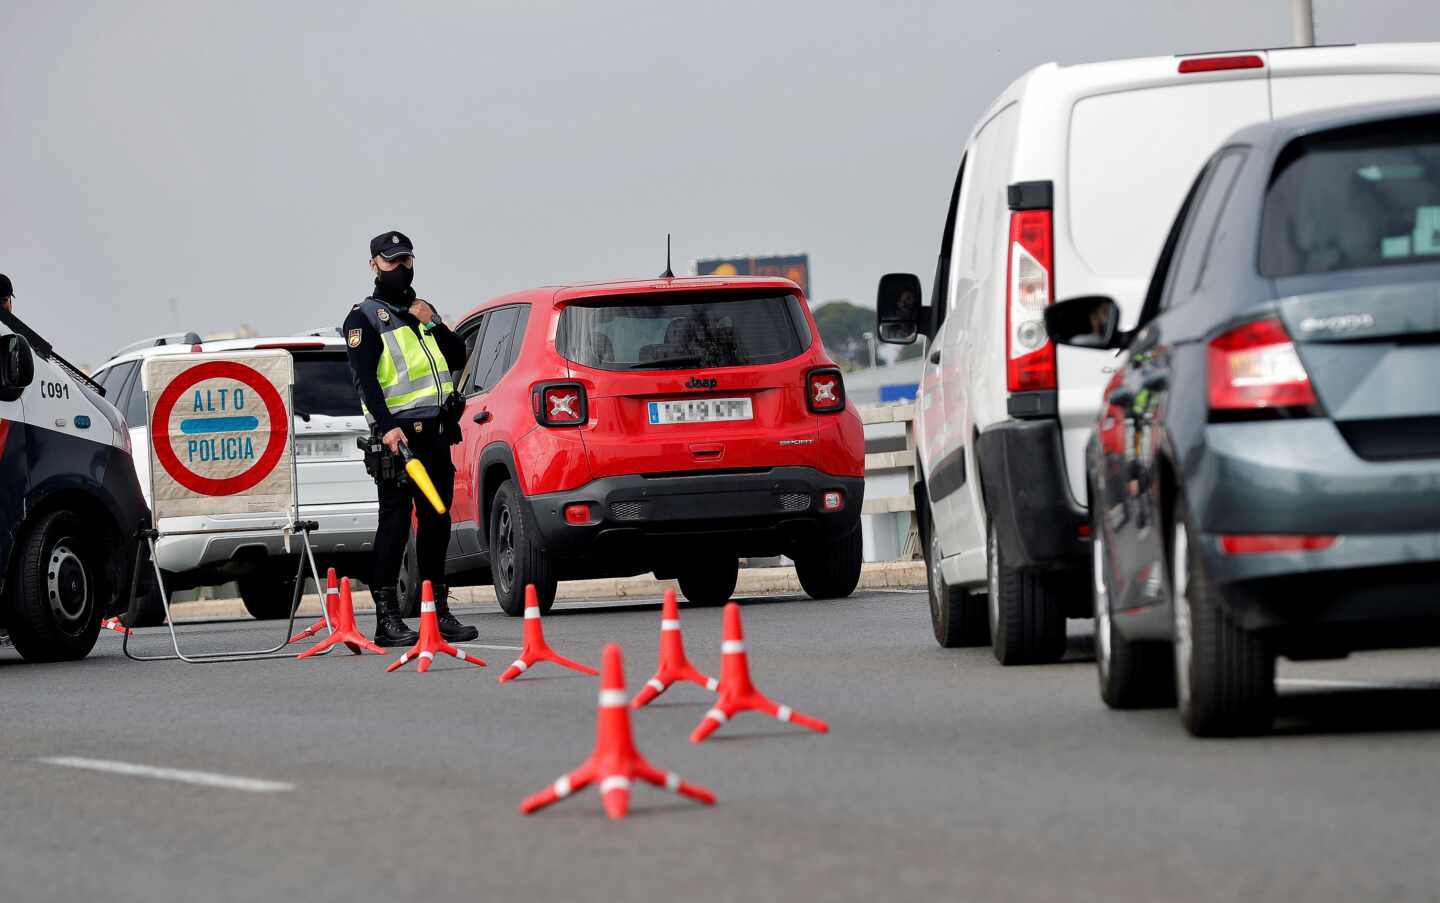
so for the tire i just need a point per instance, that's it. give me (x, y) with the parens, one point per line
(407, 585)
(710, 581)
(1027, 618)
(958, 617)
(832, 572)
(1224, 675)
(150, 612)
(267, 596)
(516, 557)
(54, 605)
(1133, 674)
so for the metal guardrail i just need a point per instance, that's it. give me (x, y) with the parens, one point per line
(891, 463)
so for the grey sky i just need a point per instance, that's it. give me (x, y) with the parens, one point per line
(237, 157)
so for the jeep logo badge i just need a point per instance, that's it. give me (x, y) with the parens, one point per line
(696, 382)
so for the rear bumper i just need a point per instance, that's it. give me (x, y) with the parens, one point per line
(653, 518)
(1022, 469)
(1379, 581)
(344, 529)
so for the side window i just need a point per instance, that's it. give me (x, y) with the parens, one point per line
(517, 336)
(131, 397)
(1194, 246)
(471, 333)
(1165, 265)
(494, 348)
(939, 299)
(111, 379)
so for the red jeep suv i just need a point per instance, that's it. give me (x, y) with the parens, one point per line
(666, 425)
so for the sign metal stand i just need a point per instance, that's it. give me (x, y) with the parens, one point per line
(151, 535)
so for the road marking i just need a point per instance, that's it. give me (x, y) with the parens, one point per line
(484, 646)
(180, 775)
(1358, 684)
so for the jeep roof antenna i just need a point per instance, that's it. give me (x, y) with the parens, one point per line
(668, 274)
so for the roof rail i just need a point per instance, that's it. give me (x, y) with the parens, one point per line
(324, 331)
(172, 338)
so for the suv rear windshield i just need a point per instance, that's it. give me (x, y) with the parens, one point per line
(323, 384)
(673, 334)
(1361, 198)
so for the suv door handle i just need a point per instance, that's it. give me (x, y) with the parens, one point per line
(935, 356)
(481, 417)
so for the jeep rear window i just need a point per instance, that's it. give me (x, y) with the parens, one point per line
(323, 384)
(1363, 197)
(673, 334)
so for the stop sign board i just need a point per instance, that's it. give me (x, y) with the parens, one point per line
(221, 433)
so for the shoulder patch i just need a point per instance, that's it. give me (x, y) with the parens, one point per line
(353, 338)
(383, 314)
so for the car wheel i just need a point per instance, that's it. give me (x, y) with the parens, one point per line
(267, 597)
(1224, 675)
(54, 612)
(517, 559)
(407, 585)
(958, 616)
(710, 581)
(1027, 618)
(1133, 674)
(833, 571)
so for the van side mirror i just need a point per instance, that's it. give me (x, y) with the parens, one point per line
(17, 366)
(1089, 321)
(898, 308)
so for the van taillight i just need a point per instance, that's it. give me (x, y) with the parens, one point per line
(1030, 355)
(1221, 63)
(560, 404)
(825, 391)
(1255, 367)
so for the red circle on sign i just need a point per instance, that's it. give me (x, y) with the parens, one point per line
(274, 407)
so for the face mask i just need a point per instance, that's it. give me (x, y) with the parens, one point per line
(396, 280)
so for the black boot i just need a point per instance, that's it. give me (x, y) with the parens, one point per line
(390, 628)
(450, 627)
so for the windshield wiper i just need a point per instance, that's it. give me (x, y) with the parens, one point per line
(303, 415)
(664, 362)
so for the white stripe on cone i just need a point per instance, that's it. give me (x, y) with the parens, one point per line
(520, 663)
(669, 625)
(427, 607)
(532, 614)
(730, 647)
(672, 781)
(562, 787)
(427, 654)
(612, 699)
(655, 685)
(716, 714)
(614, 782)
(784, 713)
(711, 684)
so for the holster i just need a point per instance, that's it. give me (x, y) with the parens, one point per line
(384, 468)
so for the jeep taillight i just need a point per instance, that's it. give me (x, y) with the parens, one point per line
(825, 391)
(559, 404)
(1255, 367)
(1029, 354)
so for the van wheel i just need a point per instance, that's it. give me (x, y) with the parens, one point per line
(1224, 675)
(710, 581)
(516, 556)
(267, 596)
(1133, 675)
(958, 616)
(833, 571)
(1027, 617)
(407, 585)
(54, 616)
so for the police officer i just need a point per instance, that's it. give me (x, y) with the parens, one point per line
(404, 360)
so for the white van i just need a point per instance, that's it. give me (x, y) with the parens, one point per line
(70, 505)
(1068, 183)
(335, 491)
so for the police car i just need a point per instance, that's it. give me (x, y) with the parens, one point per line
(70, 506)
(335, 491)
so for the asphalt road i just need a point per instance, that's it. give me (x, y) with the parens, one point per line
(944, 777)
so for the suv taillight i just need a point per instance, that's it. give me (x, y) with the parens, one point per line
(1255, 367)
(1029, 354)
(560, 404)
(825, 391)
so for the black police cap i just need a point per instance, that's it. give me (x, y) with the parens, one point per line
(6, 289)
(391, 245)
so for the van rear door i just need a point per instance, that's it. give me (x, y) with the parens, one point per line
(1312, 78)
(1133, 153)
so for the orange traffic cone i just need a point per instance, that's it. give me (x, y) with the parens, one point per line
(737, 694)
(332, 598)
(430, 640)
(674, 666)
(115, 625)
(343, 629)
(615, 762)
(536, 649)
